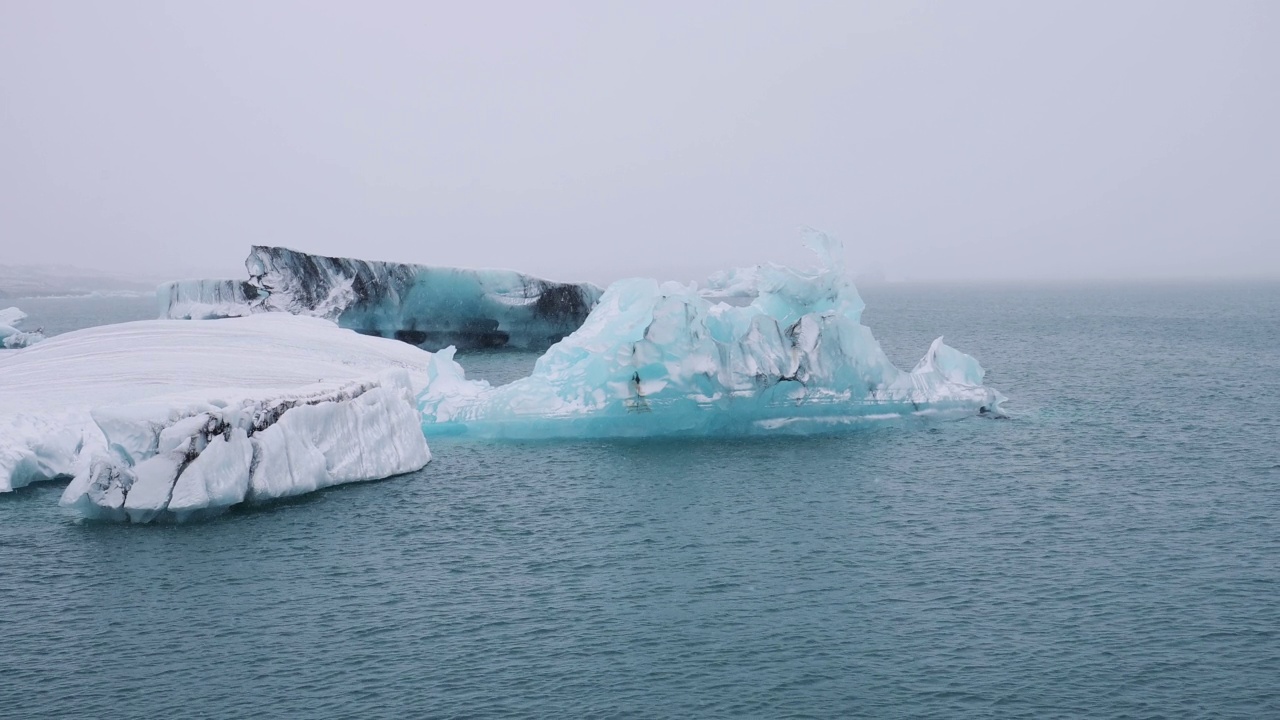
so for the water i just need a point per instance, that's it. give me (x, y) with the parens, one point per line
(57, 315)
(1112, 551)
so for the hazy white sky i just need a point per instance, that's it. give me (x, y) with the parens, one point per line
(594, 140)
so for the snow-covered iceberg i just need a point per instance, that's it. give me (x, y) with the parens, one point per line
(431, 307)
(760, 350)
(11, 338)
(49, 392)
(186, 457)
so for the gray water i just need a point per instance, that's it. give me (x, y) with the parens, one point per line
(57, 315)
(1113, 550)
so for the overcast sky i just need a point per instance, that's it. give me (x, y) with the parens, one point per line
(592, 140)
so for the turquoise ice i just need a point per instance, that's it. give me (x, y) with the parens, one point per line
(759, 350)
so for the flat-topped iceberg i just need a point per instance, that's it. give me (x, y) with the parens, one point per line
(11, 338)
(423, 305)
(179, 458)
(761, 350)
(49, 392)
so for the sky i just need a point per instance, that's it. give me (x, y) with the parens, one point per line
(598, 140)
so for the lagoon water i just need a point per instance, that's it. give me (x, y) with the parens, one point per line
(1113, 550)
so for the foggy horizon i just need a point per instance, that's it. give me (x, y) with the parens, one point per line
(580, 142)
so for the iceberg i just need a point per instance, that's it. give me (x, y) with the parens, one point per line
(206, 299)
(190, 457)
(11, 316)
(50, 392)
(20, 339)
(174, 419)
(431, 307)
(760, 350)
(11, 338)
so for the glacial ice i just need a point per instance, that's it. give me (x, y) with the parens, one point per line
(173, 419)
(205, 299)
(427, 306)
(11, 338)
(765, 349)
(49, 391)
(190, 456)
(11, 316)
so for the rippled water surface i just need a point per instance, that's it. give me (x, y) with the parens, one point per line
(1114, 550)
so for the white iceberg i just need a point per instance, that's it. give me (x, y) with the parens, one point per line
(11, 316)
(48, 391)
(761, 350)
(194, 456)
(11, 338)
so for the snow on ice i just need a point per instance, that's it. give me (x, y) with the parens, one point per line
(49, 391)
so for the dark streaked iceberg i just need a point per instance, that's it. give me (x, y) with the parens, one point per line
(206, 299)
(431, 307)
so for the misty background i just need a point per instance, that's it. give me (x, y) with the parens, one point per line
(591, 141)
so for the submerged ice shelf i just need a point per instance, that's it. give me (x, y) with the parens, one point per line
(431, 307)
(49, 392)
(760, 350)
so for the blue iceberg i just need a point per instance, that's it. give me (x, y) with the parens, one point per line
(760, 350)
